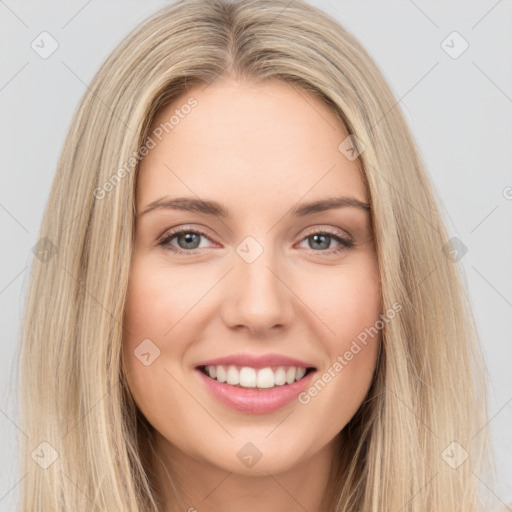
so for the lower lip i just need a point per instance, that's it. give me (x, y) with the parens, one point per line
(256, 401)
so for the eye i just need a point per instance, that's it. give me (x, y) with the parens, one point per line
(189, 240)
(322, 240)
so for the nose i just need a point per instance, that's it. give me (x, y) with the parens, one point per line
(258, 295)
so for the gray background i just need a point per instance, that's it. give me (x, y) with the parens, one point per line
(459, 110)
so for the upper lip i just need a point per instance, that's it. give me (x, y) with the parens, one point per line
(261, 361)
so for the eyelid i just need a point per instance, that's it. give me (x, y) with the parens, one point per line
(179, 228)
(329, 230)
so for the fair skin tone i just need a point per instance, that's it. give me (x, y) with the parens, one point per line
(259, 150)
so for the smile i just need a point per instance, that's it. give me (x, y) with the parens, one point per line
(255, 378)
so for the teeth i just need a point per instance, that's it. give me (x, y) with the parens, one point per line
(265, 378)
(280, 376)
(221, 374)
(290, 375)
(300, 373)
(233, 377)
(248, 377)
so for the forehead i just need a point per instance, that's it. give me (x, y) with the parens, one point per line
(247, 144)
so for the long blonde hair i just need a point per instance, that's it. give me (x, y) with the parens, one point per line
(427, 406)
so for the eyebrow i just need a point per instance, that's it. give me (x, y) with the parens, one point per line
(216, 209)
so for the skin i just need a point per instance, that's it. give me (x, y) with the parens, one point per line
(259, 150)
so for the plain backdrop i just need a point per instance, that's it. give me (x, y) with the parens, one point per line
(459, 108)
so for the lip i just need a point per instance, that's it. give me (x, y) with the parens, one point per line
(262, 361)
(255, 401)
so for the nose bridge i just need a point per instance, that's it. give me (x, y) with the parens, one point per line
(259, 298)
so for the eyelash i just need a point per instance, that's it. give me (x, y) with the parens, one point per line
(345, 243)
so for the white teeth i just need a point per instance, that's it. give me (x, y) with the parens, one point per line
(221, 374)
(233, 376)
(280, 376)
(300, 373)
(290, 374)
(263, 378)
(248, 377)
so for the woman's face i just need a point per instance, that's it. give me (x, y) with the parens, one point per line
(260, 285)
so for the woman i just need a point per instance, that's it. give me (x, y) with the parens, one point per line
(253, 369)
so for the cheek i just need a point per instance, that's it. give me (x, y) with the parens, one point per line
(157, 298)
(346, 301)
